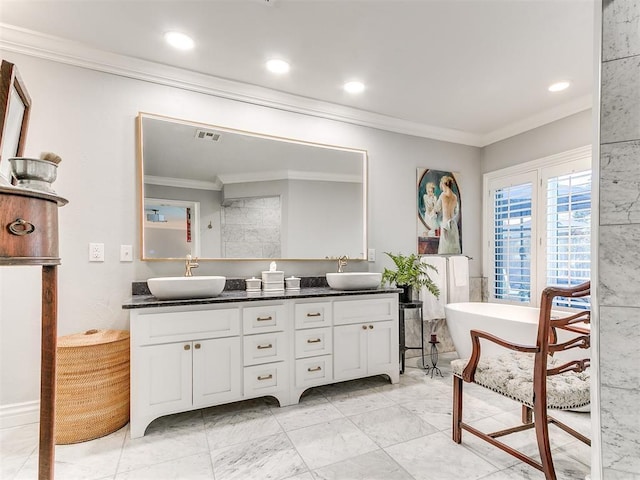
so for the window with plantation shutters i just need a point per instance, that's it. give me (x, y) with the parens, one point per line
(512, 242)
(568, 231)
(538, 228)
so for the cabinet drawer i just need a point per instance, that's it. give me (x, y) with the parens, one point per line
(311, 315)
(154, 328)
(314, 371)
(265, 379)
(263, 348)
(28, 227)
(262, 319)
(313, 342)
(369, 310)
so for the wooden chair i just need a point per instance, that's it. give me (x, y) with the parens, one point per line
(533, 376)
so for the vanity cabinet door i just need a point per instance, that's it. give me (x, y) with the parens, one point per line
(164, 378)
(364, 349)
(349, 351)
(381, 354)
(217, 371)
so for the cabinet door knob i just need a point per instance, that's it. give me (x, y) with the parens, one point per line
(364, 327)
(21, 227)
(197, 346)
(187, 347)
(370, 327)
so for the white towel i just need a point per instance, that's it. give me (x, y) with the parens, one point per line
(433, 307)
(460, 271)
(458, 281)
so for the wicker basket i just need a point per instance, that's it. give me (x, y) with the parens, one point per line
(92, 379)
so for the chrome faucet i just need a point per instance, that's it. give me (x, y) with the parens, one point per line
(189, 265)
(342, 262)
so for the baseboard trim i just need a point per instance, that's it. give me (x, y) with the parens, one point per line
(18, 414)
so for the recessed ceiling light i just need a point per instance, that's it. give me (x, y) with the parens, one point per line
(179, 40)
(277, 66)
(558, 87)
(354, 87)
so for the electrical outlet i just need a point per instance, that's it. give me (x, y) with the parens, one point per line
(371, 255)
(126, 253)
(96, 252)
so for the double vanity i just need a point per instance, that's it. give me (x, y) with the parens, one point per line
(196, 353)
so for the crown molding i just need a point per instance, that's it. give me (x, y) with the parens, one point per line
(561, 111)
(247, 177)
(48, 47)
(182, 183)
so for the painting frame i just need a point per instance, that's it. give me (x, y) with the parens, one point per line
(15, 105)
(438, 212)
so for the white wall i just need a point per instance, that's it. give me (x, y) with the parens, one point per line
(556, 137)
(88, 118)
(310, 208)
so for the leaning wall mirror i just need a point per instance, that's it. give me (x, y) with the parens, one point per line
(15, 105)
(219, 193)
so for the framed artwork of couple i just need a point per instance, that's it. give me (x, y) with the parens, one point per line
(439, 219)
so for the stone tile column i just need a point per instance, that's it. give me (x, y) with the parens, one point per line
(619, 240)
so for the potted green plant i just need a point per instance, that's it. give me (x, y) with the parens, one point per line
(410, 273)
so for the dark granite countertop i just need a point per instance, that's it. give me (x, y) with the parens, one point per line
(231, 296)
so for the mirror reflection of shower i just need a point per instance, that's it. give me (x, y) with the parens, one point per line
(251, 227)
(171, 226)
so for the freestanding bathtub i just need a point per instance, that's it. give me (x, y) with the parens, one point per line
(513, 323)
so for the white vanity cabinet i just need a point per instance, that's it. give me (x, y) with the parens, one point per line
(182, 359)
(365, 338)
(194, 356)
(313, 345)
(266, 350)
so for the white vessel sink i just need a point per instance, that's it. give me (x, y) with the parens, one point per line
(175, 288)
(354, 280)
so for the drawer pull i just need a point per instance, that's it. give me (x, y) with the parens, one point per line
(314, 340)
(21, 227)
(265, 377)
(187, 347)
(314, 369)
(262, 347)
(315, 314)
(264, 319)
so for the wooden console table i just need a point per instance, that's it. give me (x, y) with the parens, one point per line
(29, 236)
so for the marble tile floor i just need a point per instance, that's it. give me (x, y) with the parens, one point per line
(359, 430)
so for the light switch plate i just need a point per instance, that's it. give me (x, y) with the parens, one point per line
(371, 255)
(126, 253)
(96, 252)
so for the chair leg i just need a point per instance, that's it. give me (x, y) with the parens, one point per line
(527, 414)
(457, 409)
(542, 436)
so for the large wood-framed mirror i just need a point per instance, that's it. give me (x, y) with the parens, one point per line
(257, 196)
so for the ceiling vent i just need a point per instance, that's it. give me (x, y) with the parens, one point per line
(207, 135)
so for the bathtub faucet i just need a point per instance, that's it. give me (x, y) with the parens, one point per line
(342, 262)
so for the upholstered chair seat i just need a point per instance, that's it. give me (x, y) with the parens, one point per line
(511, 375)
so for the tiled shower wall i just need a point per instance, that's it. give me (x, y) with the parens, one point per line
(251, 228)
(619, 240)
